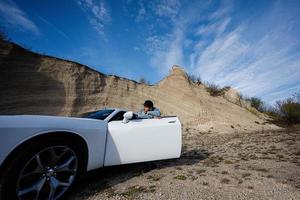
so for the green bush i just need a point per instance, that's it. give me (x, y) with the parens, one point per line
(289, 109)
(272, 111)
(215, 90)
(256, 103)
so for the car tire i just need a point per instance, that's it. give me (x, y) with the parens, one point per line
(34, 165)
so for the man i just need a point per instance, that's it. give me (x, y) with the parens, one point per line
(149, 111)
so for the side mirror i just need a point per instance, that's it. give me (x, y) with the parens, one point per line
(127, 116)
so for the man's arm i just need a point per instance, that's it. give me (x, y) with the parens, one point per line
(142, 115)
(154, 113)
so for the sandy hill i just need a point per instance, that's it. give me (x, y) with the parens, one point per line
(35, 84)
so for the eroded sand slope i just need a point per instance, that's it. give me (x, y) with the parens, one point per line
(34, 84)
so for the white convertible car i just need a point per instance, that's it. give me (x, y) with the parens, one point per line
(41, 156)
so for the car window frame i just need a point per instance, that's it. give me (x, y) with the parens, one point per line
(87, 115)
(111, 119)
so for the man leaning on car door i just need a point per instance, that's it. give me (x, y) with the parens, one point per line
(149, 111)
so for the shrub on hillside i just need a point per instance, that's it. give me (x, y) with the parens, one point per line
(226, 88)
(272, 111)
(241, 98)
(194, 79)
(142, 80)
(215, 90)
(289, 109)
(256, 103)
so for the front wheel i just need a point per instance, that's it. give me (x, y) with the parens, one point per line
(41, 172)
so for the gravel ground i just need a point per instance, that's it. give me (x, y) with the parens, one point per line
(258, 165)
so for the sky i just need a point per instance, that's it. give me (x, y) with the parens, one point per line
(250, 45)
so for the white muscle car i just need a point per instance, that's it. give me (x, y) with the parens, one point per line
(41, 156)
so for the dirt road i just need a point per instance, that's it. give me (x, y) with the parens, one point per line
(258, 165)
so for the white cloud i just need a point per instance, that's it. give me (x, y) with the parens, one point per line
(221, 12)
(259, 57)
(167, 8)
(165, 51)
(219, 55)
(136, 49)
(157, 43)
(141, 14)
(156, 47)
(217, 27)
(12, 14)
(174, 55)
(97, 12)
(177, 18)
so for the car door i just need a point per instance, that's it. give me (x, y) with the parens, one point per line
(142, 140)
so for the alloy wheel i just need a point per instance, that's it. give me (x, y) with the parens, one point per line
(48, 174)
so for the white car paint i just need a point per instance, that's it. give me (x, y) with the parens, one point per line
(109, 143)
(142, 140)
(15, 130)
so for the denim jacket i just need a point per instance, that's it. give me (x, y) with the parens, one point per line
(150, 114)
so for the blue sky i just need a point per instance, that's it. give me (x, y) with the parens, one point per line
(251, 45)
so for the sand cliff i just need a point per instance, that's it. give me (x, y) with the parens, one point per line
(31, 83)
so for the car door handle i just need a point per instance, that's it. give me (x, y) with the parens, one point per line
(173, 121)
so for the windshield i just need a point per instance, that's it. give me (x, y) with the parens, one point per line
(99, 114)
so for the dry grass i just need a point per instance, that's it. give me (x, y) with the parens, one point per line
(133, 191)
(154, 177)
(225, 181)
(215, 90)
(180, 177)
(244, 175)
(200, 171)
